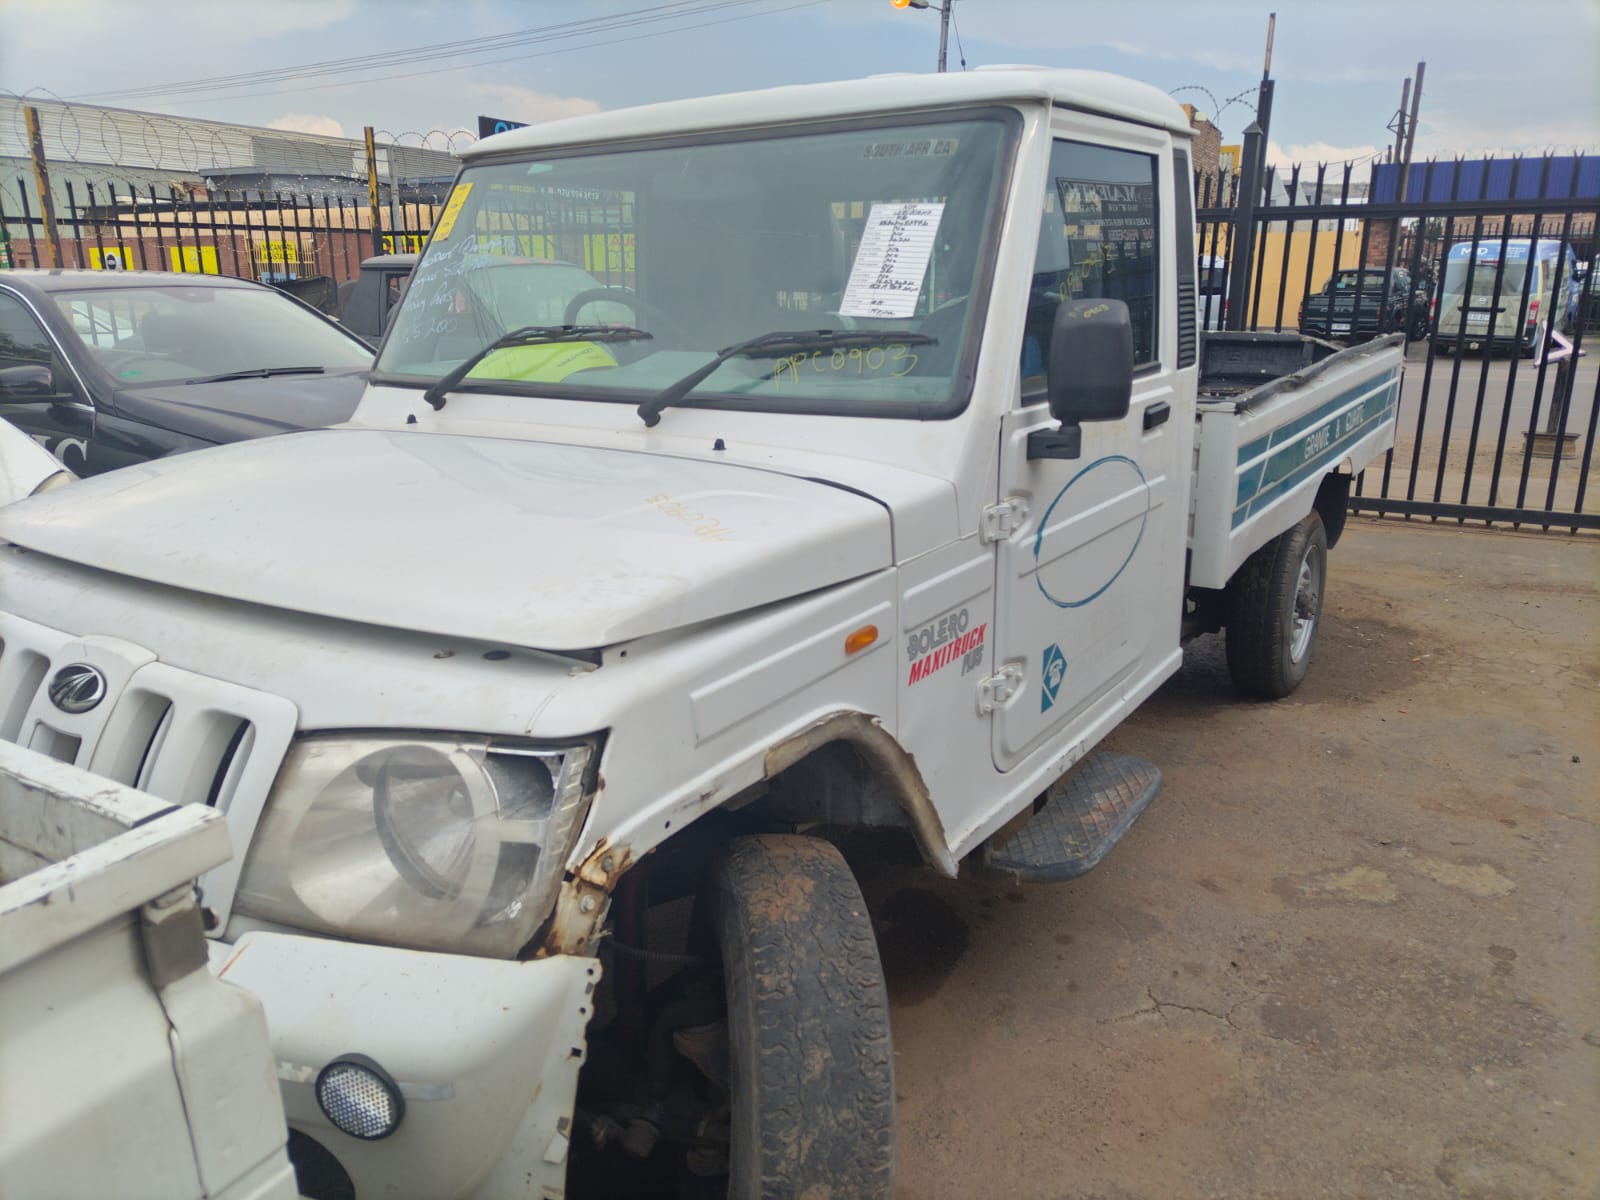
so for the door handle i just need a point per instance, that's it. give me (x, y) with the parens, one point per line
(1156, 414)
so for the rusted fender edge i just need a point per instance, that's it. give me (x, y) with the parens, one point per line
(585, 895)
(894, 766)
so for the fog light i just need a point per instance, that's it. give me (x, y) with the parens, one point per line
(360, 1098)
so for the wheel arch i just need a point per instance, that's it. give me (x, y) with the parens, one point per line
(891, 772)
(1332, 503)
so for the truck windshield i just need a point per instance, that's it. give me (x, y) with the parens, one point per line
(884, 230)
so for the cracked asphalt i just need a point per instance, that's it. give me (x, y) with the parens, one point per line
(1350, 951)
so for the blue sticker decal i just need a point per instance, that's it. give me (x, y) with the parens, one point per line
(1053, 672)
(1111, 461)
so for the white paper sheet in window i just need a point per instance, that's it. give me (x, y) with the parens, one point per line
(892, 259)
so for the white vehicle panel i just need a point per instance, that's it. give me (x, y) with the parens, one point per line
(1261, 462)
(495, 1031)
(656, 542)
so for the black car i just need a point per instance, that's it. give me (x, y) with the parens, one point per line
(106, 369)
(1388, 303)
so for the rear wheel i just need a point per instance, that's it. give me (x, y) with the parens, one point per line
(811, 1082)
(1274, 608)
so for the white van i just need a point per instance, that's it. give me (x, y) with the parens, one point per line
(1538, 289)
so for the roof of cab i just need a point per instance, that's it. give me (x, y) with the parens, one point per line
(1091, 91)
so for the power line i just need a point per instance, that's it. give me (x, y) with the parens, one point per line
(321, 87)
(655, 14)
(961, 51)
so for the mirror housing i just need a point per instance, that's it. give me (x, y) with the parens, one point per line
(31, 381)
(1090, 373)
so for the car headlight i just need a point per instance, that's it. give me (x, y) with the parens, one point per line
(435, 843)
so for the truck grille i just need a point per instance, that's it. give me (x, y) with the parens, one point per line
(181, 736)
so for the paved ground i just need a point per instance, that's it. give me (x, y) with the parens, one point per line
(1351, 951)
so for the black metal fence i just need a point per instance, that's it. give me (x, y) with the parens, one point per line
(252, 233)
(1480, 264)
(1487, 268)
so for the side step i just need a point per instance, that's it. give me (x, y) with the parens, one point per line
(1083, 816)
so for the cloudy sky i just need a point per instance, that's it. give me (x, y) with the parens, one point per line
(1507, 75)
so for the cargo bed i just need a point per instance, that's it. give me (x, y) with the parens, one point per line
(1276, 413)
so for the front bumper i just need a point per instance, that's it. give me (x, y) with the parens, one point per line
(486, 1053)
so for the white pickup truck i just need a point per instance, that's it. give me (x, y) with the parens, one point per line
(126, 1069)
(881, 478)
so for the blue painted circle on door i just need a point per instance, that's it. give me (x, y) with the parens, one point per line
(1112, 462)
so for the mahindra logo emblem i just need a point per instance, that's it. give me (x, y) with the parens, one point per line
(77, 688)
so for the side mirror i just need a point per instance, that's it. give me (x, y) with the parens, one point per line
(1090, 373)
(31, 381)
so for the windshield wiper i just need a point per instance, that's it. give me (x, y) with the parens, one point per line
(774, 345)
(532, 335)
(259, 373)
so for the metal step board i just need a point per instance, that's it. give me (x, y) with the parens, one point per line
(1084, 815)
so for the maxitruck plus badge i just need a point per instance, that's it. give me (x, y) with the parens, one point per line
(1054, 671)
(939, 643)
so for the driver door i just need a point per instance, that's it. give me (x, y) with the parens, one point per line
(1088, 588)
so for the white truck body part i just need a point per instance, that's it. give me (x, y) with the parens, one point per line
(688, 609)
(26, 467)
(126, 1069)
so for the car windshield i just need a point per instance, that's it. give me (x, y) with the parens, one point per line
(884, 230)
(173, 333)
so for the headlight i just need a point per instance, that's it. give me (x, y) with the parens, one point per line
(435, 843)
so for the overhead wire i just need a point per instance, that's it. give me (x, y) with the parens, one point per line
(657, 14)
(789, 5)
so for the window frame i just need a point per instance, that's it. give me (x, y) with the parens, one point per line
(1058, 140)
(963, 380)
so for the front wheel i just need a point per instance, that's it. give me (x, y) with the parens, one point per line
(811, 1080)
(1274, 608)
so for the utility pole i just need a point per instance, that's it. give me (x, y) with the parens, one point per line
(41, 176)
(1252, 170)
(1264, 96)
(1416, 105)
(944, 21)
(372, 191)
(1399, 126)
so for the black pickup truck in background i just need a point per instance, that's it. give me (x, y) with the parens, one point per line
(363, 304)
(1357, 304)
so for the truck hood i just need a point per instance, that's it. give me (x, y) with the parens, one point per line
(523, 543)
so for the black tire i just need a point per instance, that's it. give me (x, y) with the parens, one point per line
(1269, 651)
(812, 1073)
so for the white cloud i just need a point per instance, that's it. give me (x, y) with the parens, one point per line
(324, 125)
(1311, 153)
(524, 104)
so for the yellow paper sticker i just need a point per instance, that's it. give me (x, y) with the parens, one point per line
(452, 210)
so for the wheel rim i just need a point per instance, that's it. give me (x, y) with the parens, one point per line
(1307, 603)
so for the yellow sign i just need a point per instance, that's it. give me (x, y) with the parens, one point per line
(1228, 158)
(277, 252)
(196, 260)
(452, 210)
(608, 252)
(410, 243)
(111, 258)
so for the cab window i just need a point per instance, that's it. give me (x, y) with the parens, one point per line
(1097, 240)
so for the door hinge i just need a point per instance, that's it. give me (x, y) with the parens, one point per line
(1001, 520)
(999, 687)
